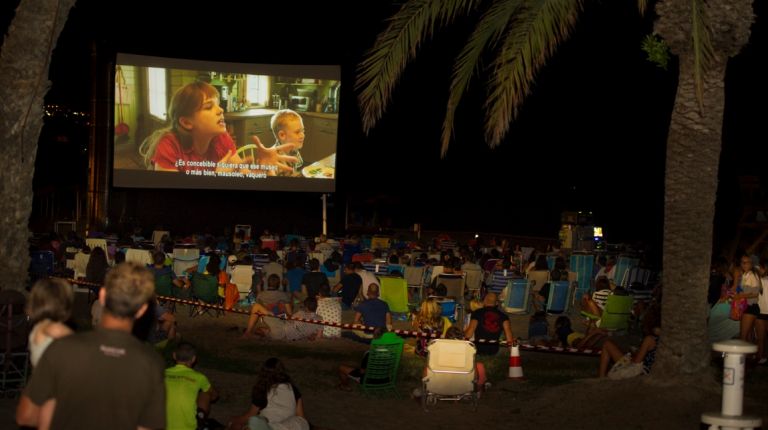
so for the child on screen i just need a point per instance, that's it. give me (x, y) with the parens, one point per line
(197, 139)
(288, 128)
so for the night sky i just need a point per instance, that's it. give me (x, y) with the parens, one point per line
(590, 137)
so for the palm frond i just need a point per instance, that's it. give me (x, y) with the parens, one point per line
(703, 53)
(489, 29)
(415, 22)
(528, 43)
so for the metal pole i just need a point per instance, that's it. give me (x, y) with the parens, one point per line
(325, 214)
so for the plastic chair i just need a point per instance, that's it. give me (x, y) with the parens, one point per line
(394, 291)
(616, 314)
(518, 293)
(383, 362)
(451, 372)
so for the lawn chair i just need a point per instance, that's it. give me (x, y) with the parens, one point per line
(414, 276)
(450, 372)
(205, 289)
(616, 314)
(518, 293)
(394, 291)
(559, 297)
(383, 362)
(164, 287)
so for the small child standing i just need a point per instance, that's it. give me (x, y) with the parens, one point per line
(49, 306)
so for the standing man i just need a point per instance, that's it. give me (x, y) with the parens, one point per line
(105, 378)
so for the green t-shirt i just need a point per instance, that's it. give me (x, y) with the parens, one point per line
(182, 385)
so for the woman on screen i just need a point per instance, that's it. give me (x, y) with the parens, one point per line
(197, 140)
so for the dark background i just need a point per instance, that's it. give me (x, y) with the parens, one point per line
(590, 137)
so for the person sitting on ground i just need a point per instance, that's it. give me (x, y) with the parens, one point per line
(329, 309)
(311, 281)
(349, 286)
(373, 311)
(281, 329)
(189, 394)
(645, 354)
(275, 399)
(294, 274)
(276, 301)
(566, 337)
(487, 324)
(351, 373)
(49, 306)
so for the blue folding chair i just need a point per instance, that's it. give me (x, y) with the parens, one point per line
(518, 296)
(583, 265)
(559, 297)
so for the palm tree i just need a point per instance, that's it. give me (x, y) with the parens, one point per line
(24, 59)
(520, 36)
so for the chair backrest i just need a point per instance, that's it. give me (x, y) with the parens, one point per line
(245, 228)
(500, 279)
(392, 268)
(434, 273)
(394, 291)
(537, 279)
(140, 256)
(81, 262)
(450, 367)
(157, 235)
(583, 265)
(377, 269)
(454, 285)
(622, 266)
(559, 297)
(164, 285)
(414, 276)
(473, 279)
(184, 258)
(205, 287)
(618, 310)
(383, 363)
(448, 308)
(635, 275)
(242, 276)
(518, 294)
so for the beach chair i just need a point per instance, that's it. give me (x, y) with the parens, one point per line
(383, 363)
(414, 277)
(559, 297)
(583, 265)
(450, 372)
(394, 291)
(518, 293)
(623, 265)
(616, 314)
(454, 286)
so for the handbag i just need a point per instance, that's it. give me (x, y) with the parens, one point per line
(738, 306)
(625, 368)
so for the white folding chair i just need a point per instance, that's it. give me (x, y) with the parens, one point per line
(451, 372)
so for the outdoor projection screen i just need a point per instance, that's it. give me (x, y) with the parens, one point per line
(209, 125)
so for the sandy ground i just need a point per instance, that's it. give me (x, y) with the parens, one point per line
(560, 391)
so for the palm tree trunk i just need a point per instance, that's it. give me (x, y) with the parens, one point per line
(24, 61)
(693, 154)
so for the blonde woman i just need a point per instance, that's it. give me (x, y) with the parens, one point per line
(430, 322)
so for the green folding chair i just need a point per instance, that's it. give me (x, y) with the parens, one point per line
(616, 314)
(383, 362)
(164, 287)
(394, 291)
(205, 288)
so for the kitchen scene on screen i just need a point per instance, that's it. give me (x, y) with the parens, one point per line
(143, 96)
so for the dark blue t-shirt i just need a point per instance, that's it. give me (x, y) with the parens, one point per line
(374, 312)
(350, 287)
(295, 276)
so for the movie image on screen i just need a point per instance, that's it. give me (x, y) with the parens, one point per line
(191, 124)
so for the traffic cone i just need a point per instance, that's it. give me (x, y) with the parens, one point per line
(515, 365)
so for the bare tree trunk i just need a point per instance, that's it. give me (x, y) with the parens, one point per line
(693, 155)
(24, 61)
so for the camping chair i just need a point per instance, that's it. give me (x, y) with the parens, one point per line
(559, 297)
(474, 281)
(184, 258)
(414, 277)
(394, 291)
(242, 276)
(450, 372)
(205, 289)
(583, 265)
(616, 314)
(622, 266)
(164, 287)
(383, 362)
(518, 293)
